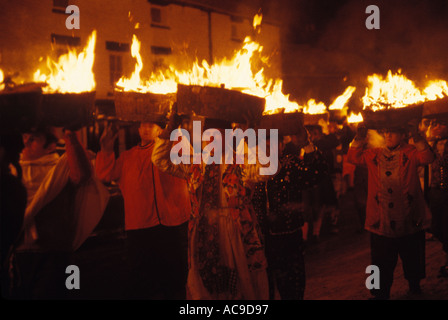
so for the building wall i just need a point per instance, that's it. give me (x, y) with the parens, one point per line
(189, 32)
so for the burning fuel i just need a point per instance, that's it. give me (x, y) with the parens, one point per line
(72, 73)
(397, 91)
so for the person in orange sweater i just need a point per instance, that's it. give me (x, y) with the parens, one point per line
(157, 210)
(396, 213)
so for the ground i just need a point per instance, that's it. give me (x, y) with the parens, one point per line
(335, 266)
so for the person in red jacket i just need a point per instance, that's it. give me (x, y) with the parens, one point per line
(396, 213)
(157, 210)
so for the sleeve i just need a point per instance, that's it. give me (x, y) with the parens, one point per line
(252, 173)
(355, 154)
(107, 167)
(424, 154)
(316, 164)
(78, 161)
(161, 159)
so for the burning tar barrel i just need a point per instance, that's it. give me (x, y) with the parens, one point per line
(391, 117)
(142, 107)
(19, 110)
(68, 109)
(315, 119)
(436, 109)
(219, 103)
(287, 124)
(26, 107)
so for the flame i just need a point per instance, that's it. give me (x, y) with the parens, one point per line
(436, 90)
(355, 118)
(72, 73)
(340, 102)
(397, 91)
(158, 82)
(314, 108)
(2, 78)
(236, 73)
(257, 20)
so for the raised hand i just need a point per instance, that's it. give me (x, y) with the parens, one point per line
(108, 138)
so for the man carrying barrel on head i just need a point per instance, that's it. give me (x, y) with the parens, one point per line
(157, 209)
(396, 214)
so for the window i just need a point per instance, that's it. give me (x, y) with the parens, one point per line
(115, 68)
(116, 46)
(159, 17)
(236, 32)
(65, 40)
(116, 60)
(160, 50)
(59, 6)
(156, 15)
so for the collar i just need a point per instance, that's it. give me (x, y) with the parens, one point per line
(146, 146)
(47, 159)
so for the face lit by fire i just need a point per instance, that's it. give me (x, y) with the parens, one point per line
(149, 132)
(393, 138)
(438, 129)
(36, 146)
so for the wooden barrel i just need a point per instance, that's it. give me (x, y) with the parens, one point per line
(287, 124)
(20, 110)
(219, 103)
(393, 117)
(142, 107)
(436, 109)
(68, 109)
(314, 119)
(26, 106)
(337, 115)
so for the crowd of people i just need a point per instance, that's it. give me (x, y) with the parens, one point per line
(221, 231)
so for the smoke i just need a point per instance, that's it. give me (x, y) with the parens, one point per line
(413, 37)
(374, 139)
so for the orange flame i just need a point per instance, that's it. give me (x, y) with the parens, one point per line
(355, 118)
(236, 73)
(2, 78)
(72, 73)
(340, 102)
(397, 91)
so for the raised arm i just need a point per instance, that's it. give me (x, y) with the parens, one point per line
(78, 161)
(355, 154)
(162, 149)
(424, 154)
(106, 166)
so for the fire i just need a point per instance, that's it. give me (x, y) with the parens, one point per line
(236, 73)
(314, 108)
(355, 118)
(257, 20)
(397, 91)
(2, 78)
(340, 102)
(436, 90)
(158, 83)
(72, 72)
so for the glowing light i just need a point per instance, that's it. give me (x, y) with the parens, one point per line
(355, 118)
(72, 72)
(397, 91)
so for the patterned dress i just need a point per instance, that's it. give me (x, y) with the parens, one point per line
(282, 226)
(226, 255)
